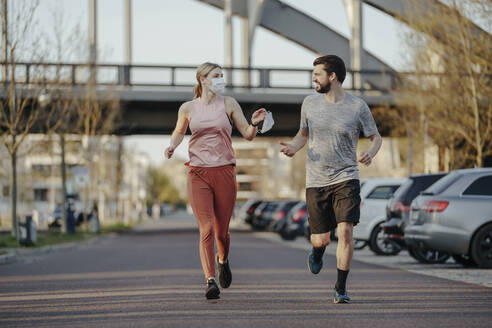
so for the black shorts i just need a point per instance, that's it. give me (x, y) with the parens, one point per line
(330, 205)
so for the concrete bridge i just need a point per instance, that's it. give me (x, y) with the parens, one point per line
(151, 107)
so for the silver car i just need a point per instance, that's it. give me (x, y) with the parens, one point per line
(454, 215)
(374, 194)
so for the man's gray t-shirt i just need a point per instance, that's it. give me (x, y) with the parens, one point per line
(334, 130)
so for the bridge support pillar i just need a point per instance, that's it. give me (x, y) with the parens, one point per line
(92, 39)
(228, 40)
(354, 13)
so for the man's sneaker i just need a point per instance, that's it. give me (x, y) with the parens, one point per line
(225, 274)
(314, 267)
(212, 291)
(340, 298)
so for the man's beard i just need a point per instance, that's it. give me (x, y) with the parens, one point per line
(324, 89)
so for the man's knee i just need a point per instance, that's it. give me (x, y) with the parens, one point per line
(320, 240)
(345, 232)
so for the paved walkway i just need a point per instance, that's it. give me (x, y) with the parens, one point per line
(152, 278)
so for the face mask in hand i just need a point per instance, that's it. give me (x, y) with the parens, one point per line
(267, 122)
(218, 85)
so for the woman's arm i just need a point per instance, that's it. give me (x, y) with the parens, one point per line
(247, 130)
(179, 130)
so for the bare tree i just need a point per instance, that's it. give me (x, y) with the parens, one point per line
(65, 43)
(97, 114)
(82, 107)
(452, 87)
(20, 109)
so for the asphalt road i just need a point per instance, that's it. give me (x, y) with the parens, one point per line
(154, 279)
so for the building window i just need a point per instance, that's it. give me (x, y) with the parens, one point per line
(40, 195)
(245, 186)
(6, 191)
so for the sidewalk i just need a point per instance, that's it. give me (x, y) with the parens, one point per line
(177, 221)
(181, 221)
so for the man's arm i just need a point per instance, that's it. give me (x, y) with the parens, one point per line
(366, 157)
(290, 149)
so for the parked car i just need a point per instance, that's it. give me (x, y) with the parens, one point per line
(280, 213)
(397, 215)
(293, 223)
(246, 212)
(454, 215)
(263, 214)
(374, 195)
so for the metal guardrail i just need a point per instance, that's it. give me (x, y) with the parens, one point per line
(183, 76)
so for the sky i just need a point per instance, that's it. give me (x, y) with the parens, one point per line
(171, 31)
(188, 32)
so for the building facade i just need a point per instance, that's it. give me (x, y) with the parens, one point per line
(92, 178)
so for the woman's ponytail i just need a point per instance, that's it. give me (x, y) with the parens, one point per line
(198, 90)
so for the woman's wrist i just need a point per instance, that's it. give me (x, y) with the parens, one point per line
(255, 124)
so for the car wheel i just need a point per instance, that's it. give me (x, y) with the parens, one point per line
(464, 260)
(287, 235)
(307, 234)
(380, 245)
(411, 252)
(359, 244)
(334, 235)
(481, 247)
(429, 256)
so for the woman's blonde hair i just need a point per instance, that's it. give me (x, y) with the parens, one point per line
(203, 70)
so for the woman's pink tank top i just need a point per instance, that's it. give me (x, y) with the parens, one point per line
(210, 143)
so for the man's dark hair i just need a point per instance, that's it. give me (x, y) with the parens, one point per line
(334, 64)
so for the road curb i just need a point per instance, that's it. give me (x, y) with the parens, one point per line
(13, 254)
(9, 257)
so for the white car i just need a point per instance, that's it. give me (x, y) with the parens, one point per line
(374, 194)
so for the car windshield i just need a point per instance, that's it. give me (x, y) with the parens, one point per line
(443, 183)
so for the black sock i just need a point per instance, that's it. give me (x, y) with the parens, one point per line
(341, 280)
(318, 252)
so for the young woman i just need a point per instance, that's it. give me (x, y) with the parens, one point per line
(211, 177)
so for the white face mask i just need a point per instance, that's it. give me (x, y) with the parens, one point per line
(267, 122)
(218, 85)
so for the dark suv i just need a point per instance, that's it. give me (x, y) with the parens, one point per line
(398, 211)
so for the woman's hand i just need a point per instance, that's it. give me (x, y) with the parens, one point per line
(258, 116)
(169, 152)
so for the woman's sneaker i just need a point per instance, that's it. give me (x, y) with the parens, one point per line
(212, 291)
(225, 274)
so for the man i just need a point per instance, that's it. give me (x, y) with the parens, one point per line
(333, 120)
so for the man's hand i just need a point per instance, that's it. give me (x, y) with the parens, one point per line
(169, 152)
(287, 149)
(365, 158)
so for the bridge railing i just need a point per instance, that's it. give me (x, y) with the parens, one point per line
(184, 76)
